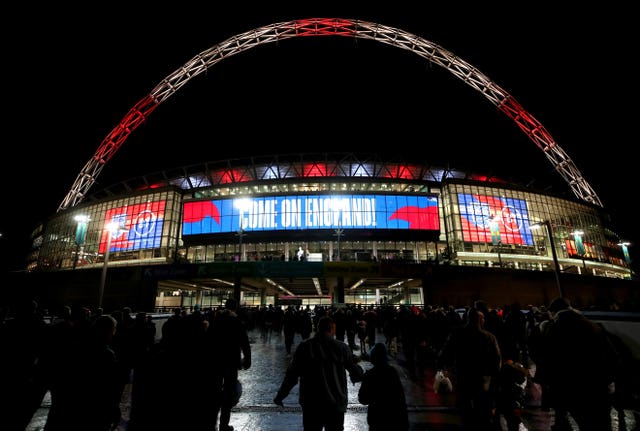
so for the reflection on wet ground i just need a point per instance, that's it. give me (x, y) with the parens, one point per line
(256, 411)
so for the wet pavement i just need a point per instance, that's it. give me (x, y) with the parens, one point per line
(256, 411)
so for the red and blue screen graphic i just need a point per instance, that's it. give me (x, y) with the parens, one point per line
(492, 219)
(311, 212)
(136, 227)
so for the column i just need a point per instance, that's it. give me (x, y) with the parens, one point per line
(338, 296)
(237, 288)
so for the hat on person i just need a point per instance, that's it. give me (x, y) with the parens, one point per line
(231, 304)
(378, 354)
(559, 304)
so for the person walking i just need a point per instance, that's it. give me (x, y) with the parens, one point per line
(289, 325)
(86, 392)
(23, 337)
(580, 364)
(230, 351)
(183, 344)
(320, 364)
(475, 356)
(382, 391)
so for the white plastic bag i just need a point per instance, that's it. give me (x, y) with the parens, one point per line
(442, 383)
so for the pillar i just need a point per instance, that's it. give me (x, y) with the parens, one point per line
(338, 295)
(237, 288)
(199, 298)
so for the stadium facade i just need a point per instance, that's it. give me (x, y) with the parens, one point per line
(314, 228)
(319, 228)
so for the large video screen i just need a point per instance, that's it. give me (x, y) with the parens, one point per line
(493, 219)
(134, 227)
(311, 212)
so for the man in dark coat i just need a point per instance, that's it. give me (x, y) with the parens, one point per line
(475, 356)
(231, 351)
(321, 363)
(580, 364)
(382, 391)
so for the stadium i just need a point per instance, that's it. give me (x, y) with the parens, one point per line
(327, 227)
(320, 228)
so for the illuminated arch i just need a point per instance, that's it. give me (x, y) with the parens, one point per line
(329, 27)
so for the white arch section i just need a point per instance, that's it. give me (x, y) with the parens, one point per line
(434, 53)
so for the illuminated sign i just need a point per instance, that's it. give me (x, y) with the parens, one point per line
(490, 219)
(139, 226)
(311, 212)
(578, 248)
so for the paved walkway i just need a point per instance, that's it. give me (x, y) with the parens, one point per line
(256, 411)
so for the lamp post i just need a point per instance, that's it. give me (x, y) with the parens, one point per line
(112, 228)
(337, 206)
(338, 233)
(81, 234)
(243, 205)
(240, 234)
(554, 254)
(496, 240)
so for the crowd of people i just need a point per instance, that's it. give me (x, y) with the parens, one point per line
(85, 359)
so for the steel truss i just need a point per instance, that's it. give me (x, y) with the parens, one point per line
(434, 53)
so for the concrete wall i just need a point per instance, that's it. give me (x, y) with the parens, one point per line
(136, 287)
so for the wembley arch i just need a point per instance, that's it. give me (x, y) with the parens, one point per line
(426, 49)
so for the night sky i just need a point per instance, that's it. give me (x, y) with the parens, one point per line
(70, 77)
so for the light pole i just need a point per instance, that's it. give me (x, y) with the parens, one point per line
(554, 254)
(338, 233)
(496, 240)
(81, 234)
(242, 205)
(337, 205)
(112, 228)
(240, 234)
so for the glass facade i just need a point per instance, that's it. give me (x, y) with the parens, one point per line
(143, 229)
(333, 211)
(488, 222)
(479, 225)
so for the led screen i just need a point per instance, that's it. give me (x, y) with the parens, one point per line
(138, 226)
(494, 219)
(577, 248)
(311, 212)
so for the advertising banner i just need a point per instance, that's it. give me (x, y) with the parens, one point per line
(493, 219)
(311, 212)
(138, 226)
